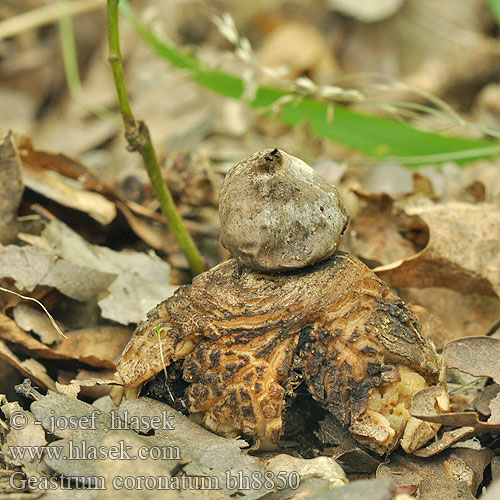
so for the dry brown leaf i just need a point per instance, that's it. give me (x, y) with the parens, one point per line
(477, 356)
(11, 332)
(381, 233)
(100, 347)
(140, 280)
(453, 314)
(463, 252)
(485, 398)
(33, 266)
(448, 438)
(11, 189)
(202, 453)
(36, 321)
(69, 193)
(74, 387)
(426, 405)
(455, 474)
(432, 327)
(31, 434)
(29, 368)
(88, 390)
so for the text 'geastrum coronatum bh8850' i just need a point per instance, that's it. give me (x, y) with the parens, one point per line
(241, 332)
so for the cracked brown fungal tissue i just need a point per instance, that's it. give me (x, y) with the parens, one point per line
(241, 329)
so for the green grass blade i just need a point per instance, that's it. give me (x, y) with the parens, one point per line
(375, 136)
(495, 8)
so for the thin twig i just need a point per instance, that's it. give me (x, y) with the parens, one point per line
(139, 139)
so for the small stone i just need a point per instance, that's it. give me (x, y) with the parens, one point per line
(277, 214)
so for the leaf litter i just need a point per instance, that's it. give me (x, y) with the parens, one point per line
(85, 252)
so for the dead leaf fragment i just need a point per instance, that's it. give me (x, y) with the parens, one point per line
(426, 406)
(477, 356)
(11, 189)
(452, 314)
(141, 280)
(100, 347)
(61, 188)
(70, 194)
(91, 383)
(35, 320)
(492, 491)
(29, 368)
(74, 387)
(485, 399)
(463, 252)
(32, 266)
(454, 475)
(30, 434)
(448, 438)
(11, 332)
(194, 450)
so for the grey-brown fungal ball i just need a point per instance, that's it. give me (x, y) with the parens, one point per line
(277, 214)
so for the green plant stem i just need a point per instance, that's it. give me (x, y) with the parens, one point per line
(70, 62)
(139, 139)
(69, 51)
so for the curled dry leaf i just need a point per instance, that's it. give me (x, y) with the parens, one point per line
(143, 221)
(427, 405)
(241, 334)
(62, 179)
(463, 252)
(447, 439)
(477, 356)
(375, 233)
(11, 189)
(29, 368)
(11, 332)
(98, 347)
(88, 390)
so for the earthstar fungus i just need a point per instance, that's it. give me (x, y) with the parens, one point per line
(239, 333)
(277, 214)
